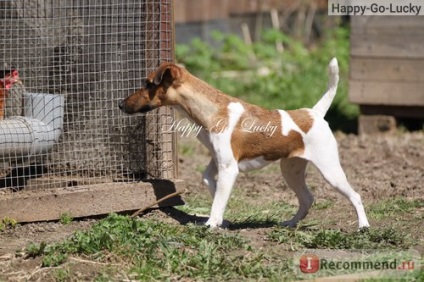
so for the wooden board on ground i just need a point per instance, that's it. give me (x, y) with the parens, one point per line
(89, 200)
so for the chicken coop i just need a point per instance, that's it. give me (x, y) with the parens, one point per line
(65, 147)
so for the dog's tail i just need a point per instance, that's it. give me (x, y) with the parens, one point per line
(324, 104)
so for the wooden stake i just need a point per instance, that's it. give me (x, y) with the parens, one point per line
(247, 39)
(276, 25)
(157, 202)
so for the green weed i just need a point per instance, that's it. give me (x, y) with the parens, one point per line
(200, 168)
(199, 204)
(152, 250)
(66, 218)
(35, 250)
(103, 277)
(7, 223)
(240, 214)
(52, 259)
(156, 251)
(244, 215)
(186, 150)
(62, 275)
(394, 207)
(323, 205)
(336, 239)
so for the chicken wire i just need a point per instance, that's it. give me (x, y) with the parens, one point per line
(91, 54)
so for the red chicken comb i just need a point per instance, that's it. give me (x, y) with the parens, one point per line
(12, 74)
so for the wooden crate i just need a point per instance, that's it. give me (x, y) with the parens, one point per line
(387, 65)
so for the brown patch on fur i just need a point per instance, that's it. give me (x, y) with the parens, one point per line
(253, 136)
(302, 119)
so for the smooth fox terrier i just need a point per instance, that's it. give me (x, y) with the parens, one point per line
(243, 137)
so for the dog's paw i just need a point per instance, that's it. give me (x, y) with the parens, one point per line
(215, 224)
(289, 223)
(364, 229)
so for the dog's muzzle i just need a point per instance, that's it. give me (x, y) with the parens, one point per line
(121, 105)
(130, 110)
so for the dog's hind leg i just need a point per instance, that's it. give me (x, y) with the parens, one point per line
(334, 174)
(209, 175)
(328, 164)
(293, 170)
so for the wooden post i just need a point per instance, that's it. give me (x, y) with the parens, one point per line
(160, 143)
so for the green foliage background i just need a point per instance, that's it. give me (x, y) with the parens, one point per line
(295, 78)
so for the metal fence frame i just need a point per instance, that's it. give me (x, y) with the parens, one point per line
(89, 54)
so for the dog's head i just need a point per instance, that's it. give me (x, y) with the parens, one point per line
(157, 90)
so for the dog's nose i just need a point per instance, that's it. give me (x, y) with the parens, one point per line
(121, 104)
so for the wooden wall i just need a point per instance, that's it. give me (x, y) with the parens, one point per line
(387, 62)
(205, 10)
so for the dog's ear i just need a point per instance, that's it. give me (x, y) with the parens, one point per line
(166, 73)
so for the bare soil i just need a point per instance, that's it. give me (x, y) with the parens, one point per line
(378, 167)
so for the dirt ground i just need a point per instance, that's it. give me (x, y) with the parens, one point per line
(378, 167)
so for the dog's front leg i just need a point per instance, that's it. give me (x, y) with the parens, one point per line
(227, 175)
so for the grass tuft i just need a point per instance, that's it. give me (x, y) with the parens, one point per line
(394, 207)
(387, 238)
(156, 251)
(66, 218)
(7, 223)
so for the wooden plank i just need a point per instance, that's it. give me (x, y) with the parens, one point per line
(82, 201)
(184, 11)
(381, 69)
(200, 10)
(399, 25)
(395, 37)
(249, 6)
(387, 45)
(206, 10)
(217, 9)
(386, 93)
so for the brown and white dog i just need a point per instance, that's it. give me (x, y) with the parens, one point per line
(243, 137)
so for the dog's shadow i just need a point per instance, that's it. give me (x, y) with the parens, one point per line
(184, 218)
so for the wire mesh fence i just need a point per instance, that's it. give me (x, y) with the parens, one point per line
(64, 65)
